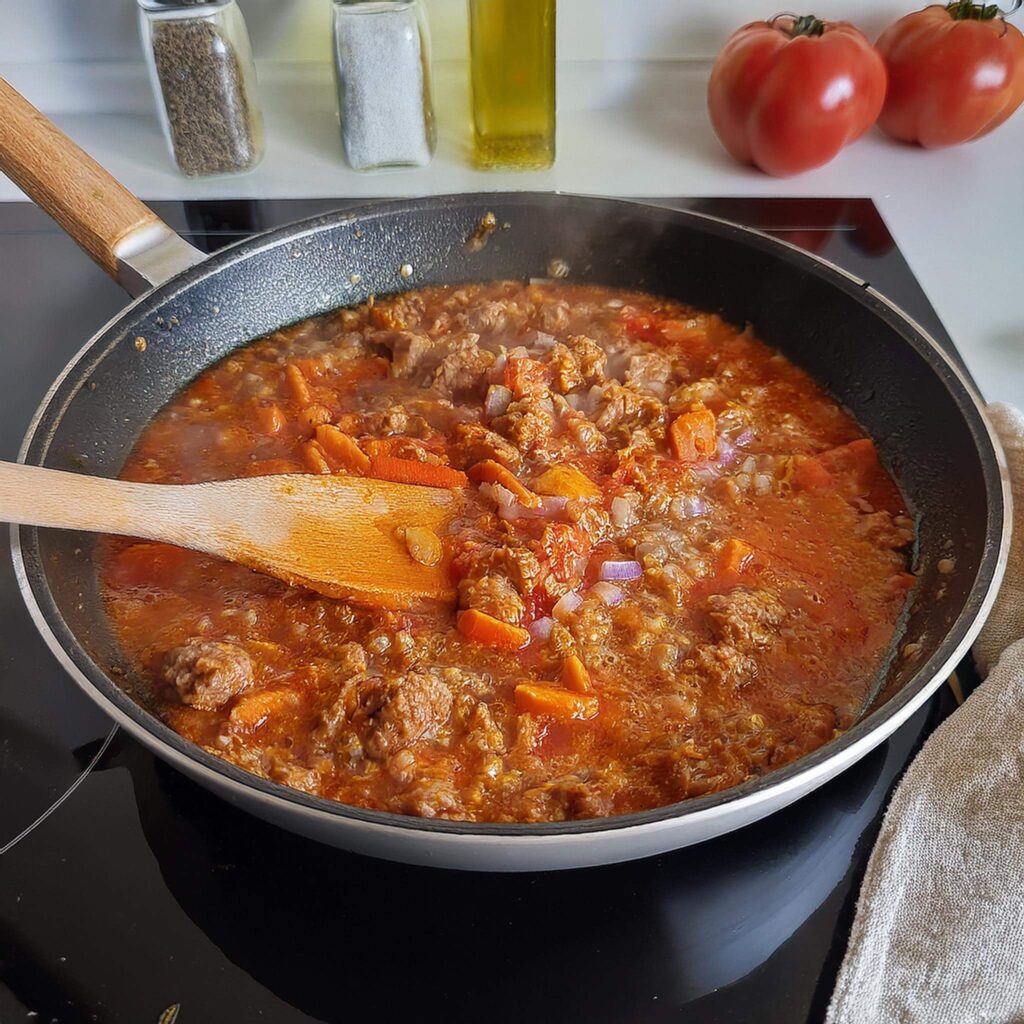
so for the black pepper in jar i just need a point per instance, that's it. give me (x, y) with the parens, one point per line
(204, 80)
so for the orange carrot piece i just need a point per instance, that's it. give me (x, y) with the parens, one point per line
(297, 385)
(494, 473)
(409, 471)
(735, 556)
(549, 700)
(575, 676)
(314, 457)
(809, 474)
(342, 448)
(566, 482)
(270, 418)
(692, 435)
(486, 629)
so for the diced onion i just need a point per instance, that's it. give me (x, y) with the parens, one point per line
(540, 629)
(687, 506)
(726, 452)
(566, 604)
(542, 340)
(497, 401)
(550, 506)
(622, 512)
(610, 594)
(620, 569)
(501, 496)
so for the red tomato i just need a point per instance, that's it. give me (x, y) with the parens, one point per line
(954, 74)
(788, 94)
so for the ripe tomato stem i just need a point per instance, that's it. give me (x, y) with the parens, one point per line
(968, 10)
(803, 24)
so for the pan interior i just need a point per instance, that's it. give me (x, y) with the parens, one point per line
(924, 420)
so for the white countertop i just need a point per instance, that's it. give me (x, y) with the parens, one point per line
(625, 129)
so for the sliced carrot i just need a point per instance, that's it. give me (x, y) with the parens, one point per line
(735, 556)
(494, 473)
(575, 676)
(270, 419)
(486, 629)
(550, 700)
(342, 448)
(409, 471)
(297, 385)
(527, 376)
(566, 482)
(692, 435)
(809, 474)
(313, 455)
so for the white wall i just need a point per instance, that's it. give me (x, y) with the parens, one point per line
(34, 31)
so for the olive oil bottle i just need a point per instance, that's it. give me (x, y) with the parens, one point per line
(512, 69)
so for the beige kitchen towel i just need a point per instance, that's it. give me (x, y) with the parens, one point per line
(939, 931)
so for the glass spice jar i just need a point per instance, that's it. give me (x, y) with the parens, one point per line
(382, 69)
(200, 65)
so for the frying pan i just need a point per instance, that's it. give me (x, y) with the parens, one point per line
(926, 419)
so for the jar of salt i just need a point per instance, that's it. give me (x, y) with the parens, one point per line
(201, 67)
(382, 66)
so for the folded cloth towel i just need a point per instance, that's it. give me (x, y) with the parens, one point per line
(939, 931)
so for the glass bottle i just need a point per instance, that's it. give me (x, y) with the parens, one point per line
(512, 71)
(382, 69)
(201, 68)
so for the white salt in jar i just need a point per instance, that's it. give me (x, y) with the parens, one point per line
(382, 66)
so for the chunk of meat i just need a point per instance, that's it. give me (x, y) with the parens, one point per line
(464, 368)
(746, 619)
(494, 595)
(565, 369)
(408, 350)
(624, 409)
(207, 673)
(721, 665)
(591, 359)
(475, 443)
(393, 712)
(528, 422)
(650, 371)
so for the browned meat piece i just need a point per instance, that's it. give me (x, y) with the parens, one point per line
(566, 369)
(722, 666)
(497, 316)
(432, 798)
(554, 315)
(208, 673)
(393, 712)
(649, 372)
(400, 312)
(590, 358)
(464, 369)
(748, 620)
(474, 443)
(567, 798)
(521, 565)
(528, 423)
(407, 350)
(595, 522)
(483, 732)
(586, 437)
(623, 410)
(494, 595)
(879, 530)
(351, 659)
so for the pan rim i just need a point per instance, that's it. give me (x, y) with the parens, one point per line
(843, 750)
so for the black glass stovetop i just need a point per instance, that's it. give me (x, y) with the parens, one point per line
(132, 891)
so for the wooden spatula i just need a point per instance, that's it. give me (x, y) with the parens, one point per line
(340, 535)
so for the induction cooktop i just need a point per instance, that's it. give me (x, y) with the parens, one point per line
(128, 895)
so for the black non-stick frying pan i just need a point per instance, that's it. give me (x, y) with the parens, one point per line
(928, 423)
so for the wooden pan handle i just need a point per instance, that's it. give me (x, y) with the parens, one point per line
(97, 211)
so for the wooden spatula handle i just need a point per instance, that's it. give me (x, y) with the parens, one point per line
(71, 501)
(88, 203)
